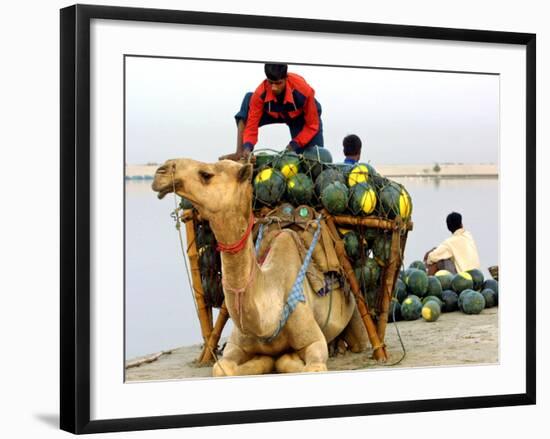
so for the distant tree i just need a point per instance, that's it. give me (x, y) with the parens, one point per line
(437, 168)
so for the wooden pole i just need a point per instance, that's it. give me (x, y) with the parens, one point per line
(379, 352)
(193, 255)
(212, 344)
(377, 223)
(391, 272)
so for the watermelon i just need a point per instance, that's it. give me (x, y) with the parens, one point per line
(335, 197)
(411, 308)
(185, 203)
(368, 274)
(299, 189)
(473, 302)
(351, 244)
(212, 288)
(314, 157)
(329, 175)
(434, 287)
(406, 274)
(431, 311)
(358, 174)
(417, 282)
(418, 265)
(450, 301)
(490, 297)
(382, 247)
(394, 311)
(204, 236)
(445, 278)
(462, 281)
(433, 298)
(370, 233)
(370, 297)
(207, 259)
(491, 284)
(362, 199)
(477, 278)
(400, 290)
(394, 200)
(288, 164)
(269, 186)
(264, 159)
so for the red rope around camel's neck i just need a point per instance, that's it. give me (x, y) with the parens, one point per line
(236, 247)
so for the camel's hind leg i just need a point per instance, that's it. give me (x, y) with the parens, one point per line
(355, 333)
(237, 362)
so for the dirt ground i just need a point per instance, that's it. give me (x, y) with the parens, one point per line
(454, 339)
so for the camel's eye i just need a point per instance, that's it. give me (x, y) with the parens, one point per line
(205, 176)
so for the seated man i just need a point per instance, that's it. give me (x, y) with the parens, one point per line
(352, 149)
(281, 98)
(457, 253)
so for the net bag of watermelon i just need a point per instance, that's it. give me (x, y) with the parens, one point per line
(348, 193)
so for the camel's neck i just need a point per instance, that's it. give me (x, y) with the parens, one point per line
(240, 271)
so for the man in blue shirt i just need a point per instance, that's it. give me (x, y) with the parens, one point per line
(352, 149)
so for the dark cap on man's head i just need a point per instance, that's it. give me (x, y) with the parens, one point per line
(352, 145)
(454, 221)
(276, 72)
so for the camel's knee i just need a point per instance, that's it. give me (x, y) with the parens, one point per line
(224, 368)
(316, 352)
(289, 363)
(257, 366)
(316, 367)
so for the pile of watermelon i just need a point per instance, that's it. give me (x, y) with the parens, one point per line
(311, 178)
(419, 295)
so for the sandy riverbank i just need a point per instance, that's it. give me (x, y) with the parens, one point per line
(454, 339)
(426, 170)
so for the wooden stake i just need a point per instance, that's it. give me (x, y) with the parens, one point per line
(149, 359)
(379, 352)
(391, 272)
(193, 255)
(374, 222)
(212, 344)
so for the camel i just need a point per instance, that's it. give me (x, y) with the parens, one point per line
(222, 194)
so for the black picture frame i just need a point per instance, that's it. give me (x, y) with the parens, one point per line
(75, 217)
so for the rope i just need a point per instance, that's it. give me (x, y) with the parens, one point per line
(329, 310)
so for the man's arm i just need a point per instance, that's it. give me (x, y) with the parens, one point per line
(440, 253)
(250, 135)
(311, 126)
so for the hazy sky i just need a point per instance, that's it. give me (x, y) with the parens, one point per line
(185, 108)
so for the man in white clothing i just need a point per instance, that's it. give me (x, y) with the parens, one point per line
(457, 253)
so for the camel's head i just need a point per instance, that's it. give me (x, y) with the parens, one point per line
(213, 188)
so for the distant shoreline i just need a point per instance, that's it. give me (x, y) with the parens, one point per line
(146, 172)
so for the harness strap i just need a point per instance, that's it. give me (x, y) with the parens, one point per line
(236, 247)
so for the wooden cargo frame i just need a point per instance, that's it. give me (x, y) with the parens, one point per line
(211, 331)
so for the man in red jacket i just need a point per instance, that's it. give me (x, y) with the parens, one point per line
(281, 98)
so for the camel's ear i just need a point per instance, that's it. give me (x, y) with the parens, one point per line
(245, 173)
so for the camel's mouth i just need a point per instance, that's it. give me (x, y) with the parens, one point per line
(163, 192)
(164, 188)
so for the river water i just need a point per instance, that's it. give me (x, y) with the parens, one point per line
(160, 312)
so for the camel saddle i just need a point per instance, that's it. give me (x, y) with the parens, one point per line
(324, 272)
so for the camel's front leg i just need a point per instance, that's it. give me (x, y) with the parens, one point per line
(235, 361)
(315, 356)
